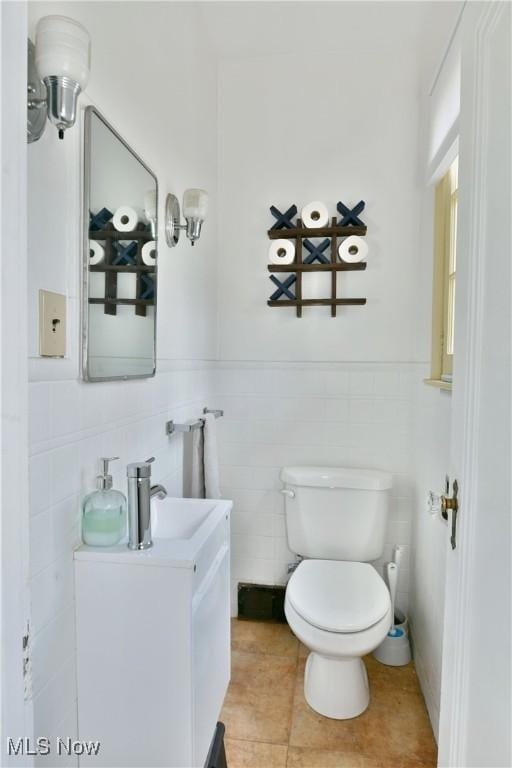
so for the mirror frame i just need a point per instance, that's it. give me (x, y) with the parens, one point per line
(86, 193)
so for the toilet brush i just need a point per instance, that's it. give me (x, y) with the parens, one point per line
(392, 571)
(395, 650)
(397, 555)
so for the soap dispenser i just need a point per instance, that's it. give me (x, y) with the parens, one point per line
(104, 511)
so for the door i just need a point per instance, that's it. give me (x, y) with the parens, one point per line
(475, 698)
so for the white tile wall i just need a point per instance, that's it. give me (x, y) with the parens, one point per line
(432, 425)
(353, 414)
(358, 415)
(72, 425)
(336, 414)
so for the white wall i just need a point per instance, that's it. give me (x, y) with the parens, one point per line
(325, 118)
(155, 81)
(297, 128)
(160, 99)
(439, 103)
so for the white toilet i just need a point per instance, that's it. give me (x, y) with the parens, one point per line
(336, 603)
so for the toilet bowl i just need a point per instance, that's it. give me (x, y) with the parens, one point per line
(336, 603)
(340, 611)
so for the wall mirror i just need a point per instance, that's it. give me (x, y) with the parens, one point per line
(119, 296)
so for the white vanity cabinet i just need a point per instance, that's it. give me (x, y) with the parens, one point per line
(153, 640)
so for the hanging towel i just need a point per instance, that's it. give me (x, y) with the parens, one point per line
(193, 465)
(211, 457)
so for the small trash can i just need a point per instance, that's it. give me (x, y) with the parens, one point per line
(217, 754)
(395, 649)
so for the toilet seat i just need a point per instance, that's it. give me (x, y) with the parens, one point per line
(338, 596)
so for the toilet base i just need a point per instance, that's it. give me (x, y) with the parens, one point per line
(336, 688)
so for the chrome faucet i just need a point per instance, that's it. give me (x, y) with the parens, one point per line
(140, 493)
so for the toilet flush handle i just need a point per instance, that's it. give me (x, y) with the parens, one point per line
(288, 493)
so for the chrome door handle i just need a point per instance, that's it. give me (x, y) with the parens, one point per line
(289, 494)
(452, 503)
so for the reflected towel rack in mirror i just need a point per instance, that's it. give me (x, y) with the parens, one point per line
(171, 427)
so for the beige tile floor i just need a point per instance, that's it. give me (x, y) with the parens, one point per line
(269, 725)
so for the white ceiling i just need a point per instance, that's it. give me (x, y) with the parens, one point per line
(249, 28)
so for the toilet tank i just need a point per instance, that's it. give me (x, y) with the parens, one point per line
(333, 513)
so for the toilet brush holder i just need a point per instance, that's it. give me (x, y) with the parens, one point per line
(395, 649)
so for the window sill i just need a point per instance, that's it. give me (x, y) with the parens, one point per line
(439, 383)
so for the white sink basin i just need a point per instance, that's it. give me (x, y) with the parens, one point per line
(181, 530)
(179, 518)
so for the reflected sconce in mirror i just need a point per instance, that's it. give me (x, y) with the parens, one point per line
(150, 210)
(58, 70)
(195, 210)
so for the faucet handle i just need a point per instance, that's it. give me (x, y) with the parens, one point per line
(140, 468)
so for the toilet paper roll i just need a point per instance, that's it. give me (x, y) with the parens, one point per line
(149, 253)
(353, 249)
(281, 252)
(315, 214)
(96, 253)
(125, 219)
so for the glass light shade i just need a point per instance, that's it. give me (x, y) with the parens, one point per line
(195, 204)
(63, 49)
(150, 202)
(150, 205)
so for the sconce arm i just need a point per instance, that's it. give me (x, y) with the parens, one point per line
(36, 103)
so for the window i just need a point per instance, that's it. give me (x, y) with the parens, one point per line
(445, 278)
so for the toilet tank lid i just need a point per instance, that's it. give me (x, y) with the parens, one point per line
(337, 477)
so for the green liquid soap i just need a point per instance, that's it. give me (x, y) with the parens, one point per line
(104, 513)
(103, 528)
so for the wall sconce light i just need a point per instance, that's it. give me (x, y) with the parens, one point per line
(195, 209)
(58, 70)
